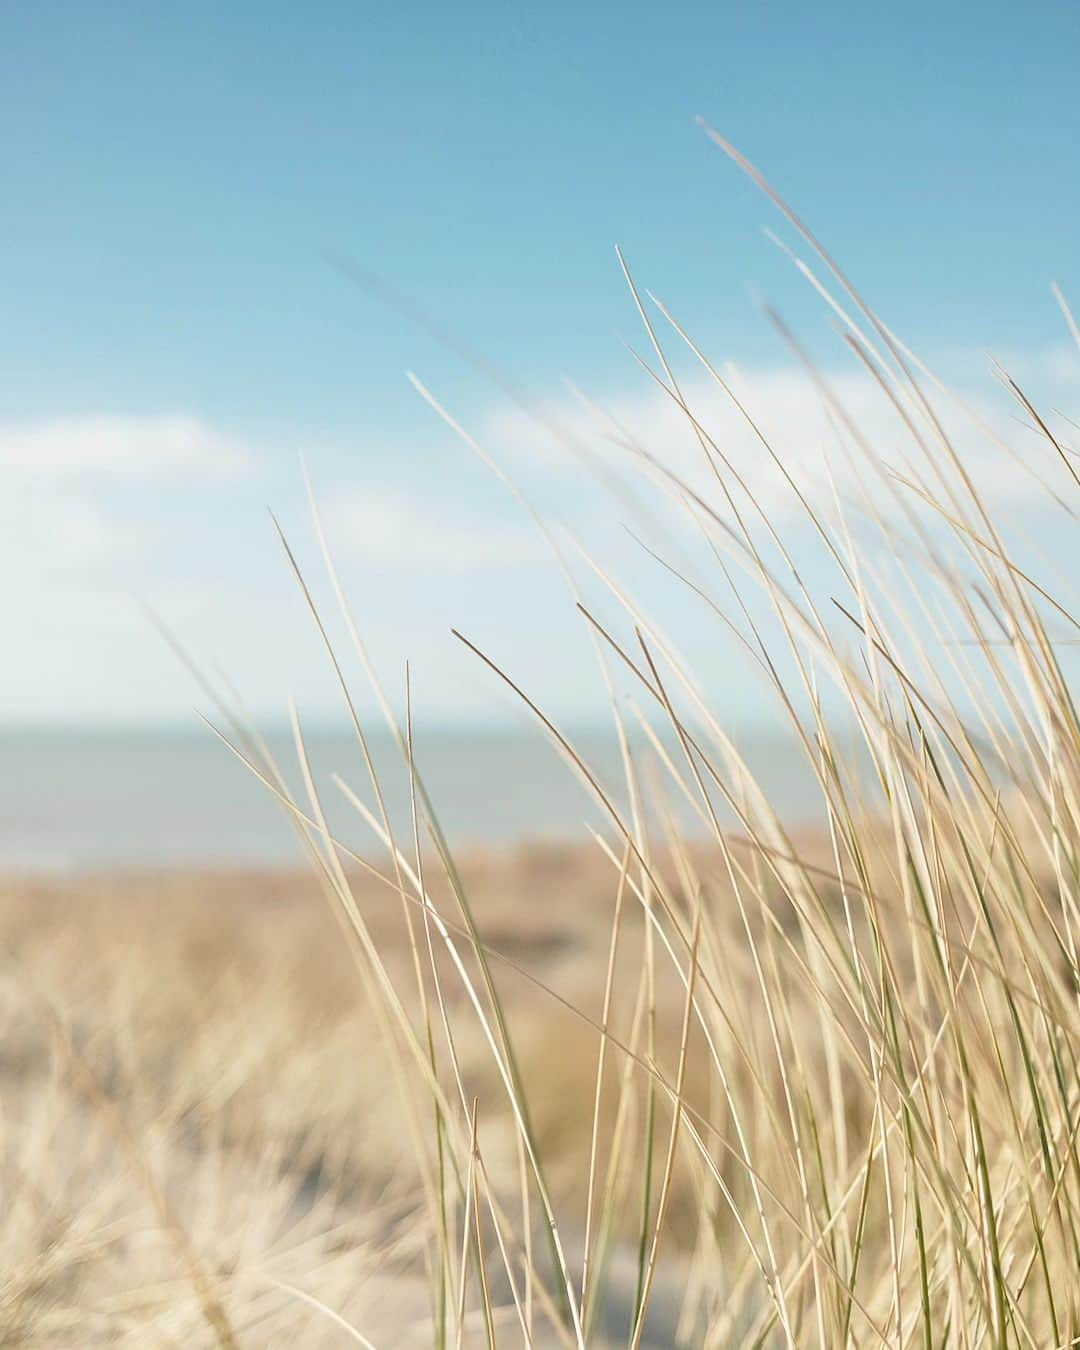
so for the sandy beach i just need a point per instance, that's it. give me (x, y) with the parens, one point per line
(191, 1070)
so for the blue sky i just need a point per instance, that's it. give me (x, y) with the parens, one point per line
(175, 178)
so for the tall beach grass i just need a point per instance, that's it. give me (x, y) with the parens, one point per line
(836, 1089)
(808, 1091)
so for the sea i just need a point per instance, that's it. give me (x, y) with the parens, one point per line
(81, 800)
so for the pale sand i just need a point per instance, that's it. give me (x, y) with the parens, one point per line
(190, 1072)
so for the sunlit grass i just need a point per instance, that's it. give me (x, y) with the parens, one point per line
(872, 1096)
(802, 1091)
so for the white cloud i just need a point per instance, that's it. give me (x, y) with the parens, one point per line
(94, 507)
(120, 445)
(73, 533)
(51, 534)
(397, 531)
(80, 498)
(791, 413)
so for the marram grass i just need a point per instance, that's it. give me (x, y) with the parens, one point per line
(826, 1089)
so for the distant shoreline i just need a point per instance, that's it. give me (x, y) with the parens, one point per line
(109, 800)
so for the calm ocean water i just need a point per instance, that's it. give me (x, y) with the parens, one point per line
(105, 799)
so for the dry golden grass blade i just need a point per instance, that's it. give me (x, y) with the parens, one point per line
(776, 1085)
(601, 1064)
(673, 1140)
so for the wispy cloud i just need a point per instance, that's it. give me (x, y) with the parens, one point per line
(80, 498)
(72, 534)
(93, 507)
(817, 441)
(121, 445)
(406, 532)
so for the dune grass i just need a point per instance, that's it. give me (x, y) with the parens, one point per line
(830, 1093)
(871, 1087)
